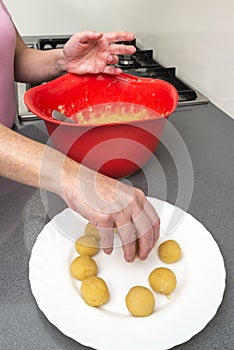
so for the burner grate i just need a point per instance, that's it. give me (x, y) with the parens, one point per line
(51, 43)
(140, 59)
(166, 74)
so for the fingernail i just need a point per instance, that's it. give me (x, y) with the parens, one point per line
(108, 251)
(130, 260)
(143, 258)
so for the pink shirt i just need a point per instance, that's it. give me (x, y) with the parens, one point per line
(7, 86)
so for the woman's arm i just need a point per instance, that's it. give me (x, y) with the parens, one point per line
(34, 66)
(86, 52)
(26, 166)
(105, 202)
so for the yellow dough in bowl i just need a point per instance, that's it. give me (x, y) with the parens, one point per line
(83, 267)
(162, 280)
(87, 245)
(140, 301)
(94, 291)
(169, 251)
(93, 231)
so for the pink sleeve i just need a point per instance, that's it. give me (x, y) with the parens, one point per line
(4, 7)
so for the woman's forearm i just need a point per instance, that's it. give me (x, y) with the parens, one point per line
(35, 66)
(30, 162)
(105, 202)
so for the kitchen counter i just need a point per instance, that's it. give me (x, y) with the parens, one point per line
(209, 137)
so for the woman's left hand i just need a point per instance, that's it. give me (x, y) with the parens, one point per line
(92, 52)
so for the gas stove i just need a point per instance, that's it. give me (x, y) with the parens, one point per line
(141, 63)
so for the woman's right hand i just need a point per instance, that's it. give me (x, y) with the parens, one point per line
(105, 202)
(109, 203)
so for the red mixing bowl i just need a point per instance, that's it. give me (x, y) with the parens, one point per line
(115, 149)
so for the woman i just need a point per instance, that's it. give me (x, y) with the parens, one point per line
(112, 203)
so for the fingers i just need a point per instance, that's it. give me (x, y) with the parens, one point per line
(142, 228)
(147, 225)
(120, 49)
(147, 242)
(119, 36)
(112, 70)
(111, 36)
(128, 237)
(112, 59)
(145, 234)
(154, 218)
(85, 37)
(107, 238)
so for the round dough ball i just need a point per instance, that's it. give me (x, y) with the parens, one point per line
(169, 251)
(94, 291)
(93, 231)
(162, 280)
(140, 301)
(83, 267)
(87, 245)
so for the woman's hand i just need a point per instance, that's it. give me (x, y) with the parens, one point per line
(105, 202)
(92, 52)
(108, 203)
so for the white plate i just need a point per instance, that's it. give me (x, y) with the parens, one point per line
(200, 276)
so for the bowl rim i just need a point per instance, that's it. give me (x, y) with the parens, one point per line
(122, 77)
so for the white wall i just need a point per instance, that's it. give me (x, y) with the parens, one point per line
(65, 16)
(195, 36)
(198, 38)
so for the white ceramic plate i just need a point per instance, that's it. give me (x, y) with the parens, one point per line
(200, 286)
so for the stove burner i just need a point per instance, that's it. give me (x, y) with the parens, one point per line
(140, 59)
(127, 61)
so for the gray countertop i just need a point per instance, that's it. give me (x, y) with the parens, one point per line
(209, 137)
